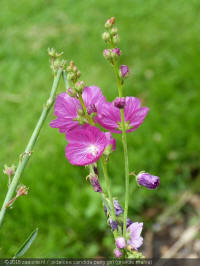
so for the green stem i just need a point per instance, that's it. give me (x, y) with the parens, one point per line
(124, 142)
(107, 180)
(104, 167)
(28, 151)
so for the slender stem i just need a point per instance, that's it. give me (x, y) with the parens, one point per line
(124, 142)
(105, 172)
(28, 151)
(104, 167)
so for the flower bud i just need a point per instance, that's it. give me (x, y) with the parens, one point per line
(124, 71)
(80, 112)
(113, 224)
(95, 183)
(9, 170)
(116, 39)
(118, 208)
(110, 22)
(107, 53)
(71, 92)
(79, 86)
(120, 242)
(128, 222)
(78, 74)
(22, 191)
(114, 31)
(71, 76)
(117, 253)
(106, 36)
(120, 102)
(116, 51)
(148, 181)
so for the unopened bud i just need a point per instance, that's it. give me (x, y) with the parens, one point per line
(114, 31)
(79, 86)
(78, 74)
(95, 183)
(124, 71)
(117, 253)
(116, 39)
(22, 191)
(110, 22)
(71, 76)
(80, 112)
(106, 36)
(72, 63)
(9, 170)
(116, 51)
(75, 69)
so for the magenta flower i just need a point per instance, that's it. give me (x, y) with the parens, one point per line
(148, 181)
(135, 240)
(109, 116)
(66, 107)
(86, 145)
(110, 140)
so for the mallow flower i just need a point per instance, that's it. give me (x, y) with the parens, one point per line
(134, 232)
(86, 145)
(67, 108)
(109, 116)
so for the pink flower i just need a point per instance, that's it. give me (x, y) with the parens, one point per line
(109, 116)
(86, 145)
(135, 240)
(66, 107)
(110, 140)
(117, 253)
(120, 242)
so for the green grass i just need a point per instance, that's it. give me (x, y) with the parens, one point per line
(161, 44)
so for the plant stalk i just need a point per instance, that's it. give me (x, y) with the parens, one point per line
(125, 148)
(24, 157)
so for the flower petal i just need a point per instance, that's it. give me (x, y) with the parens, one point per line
(135, 230)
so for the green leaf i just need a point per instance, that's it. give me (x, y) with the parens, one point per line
(26, 245)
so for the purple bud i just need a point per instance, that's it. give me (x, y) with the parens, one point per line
(106, 52)
(91, 109)
(95, 183)
(113, 224)
(116, 51)
(95, 170)
(105, 210)
(120, 242)
(128, 222)
(148, 181)
(124, 70)
(120, 102)
(117, 253)
(118, 208)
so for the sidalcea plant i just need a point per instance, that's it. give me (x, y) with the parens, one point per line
(81, 110)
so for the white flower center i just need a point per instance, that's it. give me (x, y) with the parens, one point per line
(93, 149)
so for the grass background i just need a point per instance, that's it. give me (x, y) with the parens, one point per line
(161, 44)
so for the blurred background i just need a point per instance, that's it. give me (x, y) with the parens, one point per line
(160, 42)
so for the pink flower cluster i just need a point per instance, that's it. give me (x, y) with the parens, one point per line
(86, 143)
